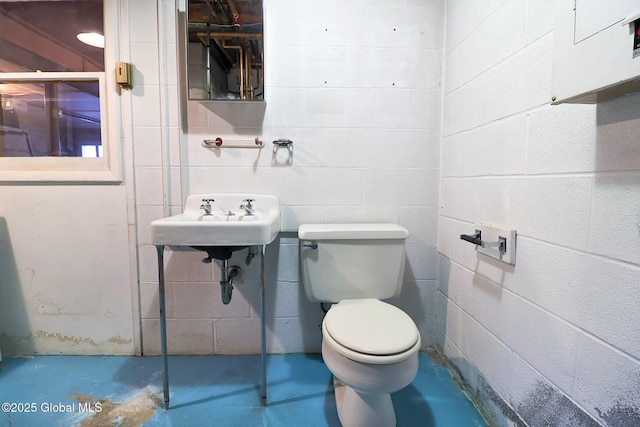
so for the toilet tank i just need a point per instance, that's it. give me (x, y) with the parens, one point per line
(352, 261)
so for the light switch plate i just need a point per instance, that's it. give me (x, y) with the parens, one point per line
(491, 233)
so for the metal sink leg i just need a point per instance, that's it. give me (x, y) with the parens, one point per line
(263, 332)
(163, 326)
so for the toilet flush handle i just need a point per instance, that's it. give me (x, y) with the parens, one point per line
(312, 245)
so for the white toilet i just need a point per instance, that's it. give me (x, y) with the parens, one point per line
(370, 346)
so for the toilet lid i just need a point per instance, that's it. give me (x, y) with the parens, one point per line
(371, 326)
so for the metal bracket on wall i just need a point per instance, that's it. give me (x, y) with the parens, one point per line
(498, 243)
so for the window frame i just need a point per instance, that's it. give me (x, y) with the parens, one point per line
(81, 170)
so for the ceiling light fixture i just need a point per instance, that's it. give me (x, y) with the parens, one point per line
(92, 39)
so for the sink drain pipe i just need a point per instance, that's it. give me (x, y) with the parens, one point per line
(226, 281)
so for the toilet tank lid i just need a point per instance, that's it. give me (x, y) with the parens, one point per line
(352, 231)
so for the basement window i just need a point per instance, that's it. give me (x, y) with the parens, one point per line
(53, 92)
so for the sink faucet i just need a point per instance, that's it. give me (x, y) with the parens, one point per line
(248, 208)
(207, 206)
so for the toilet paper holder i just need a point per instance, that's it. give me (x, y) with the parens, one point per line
(476, 239)
(497, 242)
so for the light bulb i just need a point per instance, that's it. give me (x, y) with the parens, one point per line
(92, 39)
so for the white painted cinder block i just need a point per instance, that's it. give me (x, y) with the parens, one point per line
(590, 291)
(459, 114)
(381, 187)
(604, 388)
(143, 29)
(615, 229)
(149, 303)
(567, 180)
(504, 31)
(617, 125)
(237, 336)
(146, 103)
(147, 65)
(184, 336)
(149, 179)
(467, 16)
(488, 354)
(522, 81)
(203, 300)
(418, 299)
(421, 262)
(360, 137)
(345, 214)
(147, 146)
(539, 19)
(574, 125)
(499, 148)
(555, 209)
(547, 343)
(413, 219)
(186, 266)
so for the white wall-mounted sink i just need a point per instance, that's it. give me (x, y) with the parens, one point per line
(227, 225)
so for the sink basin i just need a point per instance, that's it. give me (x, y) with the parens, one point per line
(228, 224)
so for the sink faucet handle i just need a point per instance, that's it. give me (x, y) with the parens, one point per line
(207, 206)
(248, 208)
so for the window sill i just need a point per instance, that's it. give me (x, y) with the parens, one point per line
(55, 170)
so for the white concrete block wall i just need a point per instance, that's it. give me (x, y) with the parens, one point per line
(357, 88)
(560, 328)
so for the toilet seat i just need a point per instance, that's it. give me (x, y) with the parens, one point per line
(371, 331)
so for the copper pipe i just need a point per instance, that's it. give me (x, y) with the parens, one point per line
(249, 71)
(231, 35)
(241, 59)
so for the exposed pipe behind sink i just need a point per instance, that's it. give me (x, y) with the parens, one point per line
(226, 281)
(228, 274)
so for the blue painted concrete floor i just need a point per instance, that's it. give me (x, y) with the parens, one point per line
(205, 391)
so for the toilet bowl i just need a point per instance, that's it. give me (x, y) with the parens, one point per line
(371, 348)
